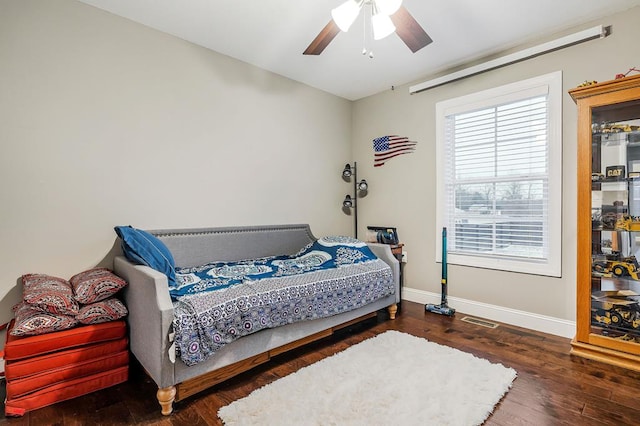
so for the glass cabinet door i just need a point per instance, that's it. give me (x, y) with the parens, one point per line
(615, 219)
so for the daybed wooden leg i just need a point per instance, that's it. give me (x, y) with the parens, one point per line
(392, 311)
(165, 398)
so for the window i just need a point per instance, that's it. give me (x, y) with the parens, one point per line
(499, 169)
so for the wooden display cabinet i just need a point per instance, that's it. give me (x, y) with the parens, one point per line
(608, 274)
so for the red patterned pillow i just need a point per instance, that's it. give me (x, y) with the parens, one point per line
(31, 321)
(49, 294)
(95, 284)
(103, 311)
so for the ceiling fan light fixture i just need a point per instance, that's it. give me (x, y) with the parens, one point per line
(387, 16)
(388, 7)
(345, 14)
(382, 26)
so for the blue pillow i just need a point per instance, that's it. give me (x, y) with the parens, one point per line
(145, 249)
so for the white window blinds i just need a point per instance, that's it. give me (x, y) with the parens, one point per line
(495, 178)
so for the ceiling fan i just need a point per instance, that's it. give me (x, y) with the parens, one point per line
(387, 16)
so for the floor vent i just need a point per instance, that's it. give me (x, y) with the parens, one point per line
(481, 322)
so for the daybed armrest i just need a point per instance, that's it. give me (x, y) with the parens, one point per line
(150, 318)
(383, 251)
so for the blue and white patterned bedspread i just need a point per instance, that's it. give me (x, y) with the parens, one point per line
(220, 302)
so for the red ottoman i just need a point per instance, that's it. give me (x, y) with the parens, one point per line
(36, 364)
(65, 390)
(48, 368)
(24, 347)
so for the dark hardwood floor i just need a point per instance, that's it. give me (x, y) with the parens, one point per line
(551, 388)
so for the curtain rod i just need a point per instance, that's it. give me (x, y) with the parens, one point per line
(560, 43)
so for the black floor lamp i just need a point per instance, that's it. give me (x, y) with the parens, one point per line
(359, 189)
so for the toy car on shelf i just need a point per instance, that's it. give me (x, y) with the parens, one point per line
(623, 267)
(616, 309)
(613, 127)
(588, 83)
(617, 128)
(609, 220)
(628, 223)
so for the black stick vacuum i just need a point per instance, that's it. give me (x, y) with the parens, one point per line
(442, 308)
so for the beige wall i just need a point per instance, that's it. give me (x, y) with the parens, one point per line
(403, 191)
(105, 122)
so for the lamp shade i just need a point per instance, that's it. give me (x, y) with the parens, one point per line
(382, 26)
(363, 185)
(348, 202)
(345, 14)
(347, 172)
(388, 7)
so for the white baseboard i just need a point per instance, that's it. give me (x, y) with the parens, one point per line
(543, 323)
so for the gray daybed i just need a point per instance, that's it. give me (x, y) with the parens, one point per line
(151, 310)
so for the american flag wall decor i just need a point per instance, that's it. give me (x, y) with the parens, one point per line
(387, 147)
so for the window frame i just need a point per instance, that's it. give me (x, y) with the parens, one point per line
(552, 84)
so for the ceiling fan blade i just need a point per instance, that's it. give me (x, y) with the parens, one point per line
(409, 30)
(323, 39)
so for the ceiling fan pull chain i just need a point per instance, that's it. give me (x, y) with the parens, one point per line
(364, 34)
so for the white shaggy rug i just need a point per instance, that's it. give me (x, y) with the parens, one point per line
(391, 379)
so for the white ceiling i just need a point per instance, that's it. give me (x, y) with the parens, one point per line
(272, 34)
